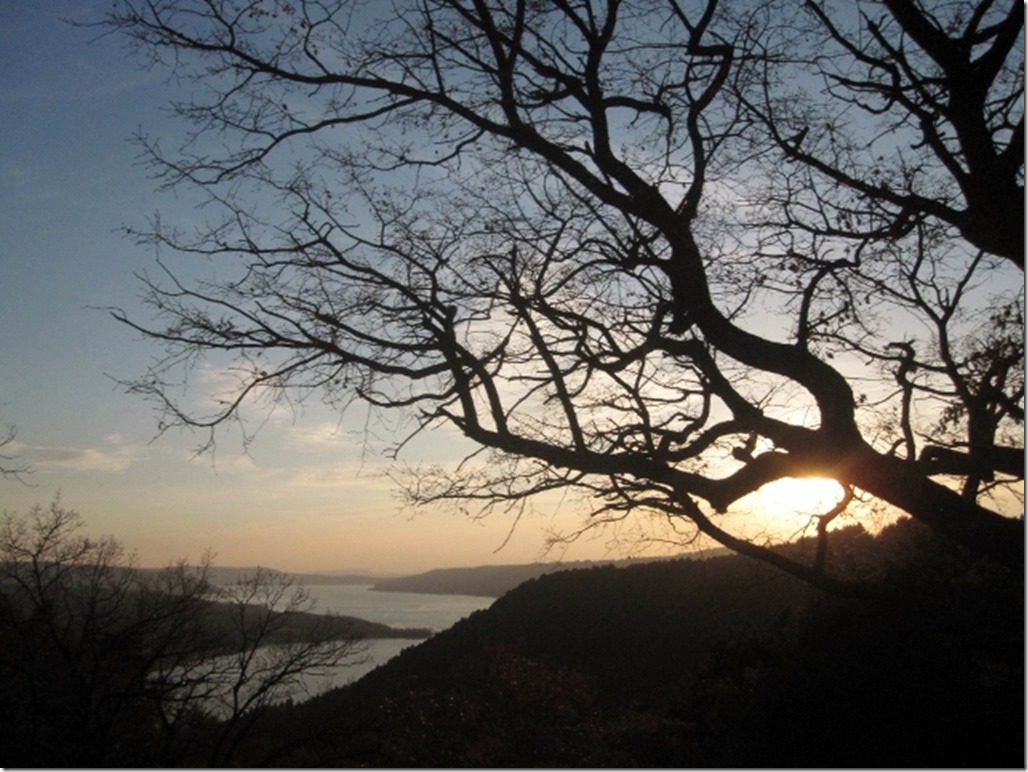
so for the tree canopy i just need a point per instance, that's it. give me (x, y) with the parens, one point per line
(659, 253)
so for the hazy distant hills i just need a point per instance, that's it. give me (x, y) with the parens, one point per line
(480, 581)
(485, 581)
(495, 581)
(220, 576)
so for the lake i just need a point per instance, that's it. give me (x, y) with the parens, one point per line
(396, 609)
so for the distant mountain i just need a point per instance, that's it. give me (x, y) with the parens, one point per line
(483, 581)
(220, 576)
(355, 575)
(479, 581)
(336, 578)
(495, 581)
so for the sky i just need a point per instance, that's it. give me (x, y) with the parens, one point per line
(308, 495)
(312, 492)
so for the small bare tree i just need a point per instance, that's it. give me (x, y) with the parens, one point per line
(267, 643)
(104, 664)
(11, 467)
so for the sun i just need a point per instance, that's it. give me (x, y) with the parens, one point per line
(798, 496)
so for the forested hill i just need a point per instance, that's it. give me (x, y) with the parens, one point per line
(694, 663)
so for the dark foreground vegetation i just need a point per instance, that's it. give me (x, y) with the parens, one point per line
(722, 662)
(655, 257)
(717, 662)
(103, 664)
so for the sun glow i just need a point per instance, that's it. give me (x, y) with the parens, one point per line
(798, 496)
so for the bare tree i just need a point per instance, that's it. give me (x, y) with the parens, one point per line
(11, 468)
(899, 111)
(269, 644)
(104, 664)
(558, 227)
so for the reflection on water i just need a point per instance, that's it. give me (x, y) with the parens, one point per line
(372, 654)
(396, 609)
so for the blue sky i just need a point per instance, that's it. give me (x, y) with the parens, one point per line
(311, 493)
(308, 496)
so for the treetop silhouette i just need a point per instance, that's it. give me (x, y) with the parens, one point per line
(660, 254)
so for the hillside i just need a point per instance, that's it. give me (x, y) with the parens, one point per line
(587, 618)
(685, 663)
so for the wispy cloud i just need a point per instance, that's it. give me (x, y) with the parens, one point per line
(114, 459)
(342, 476)
(223, 463)
(218, 386)
(322, 436)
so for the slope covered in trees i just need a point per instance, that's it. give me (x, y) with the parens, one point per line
(717, 662)
(722, 662)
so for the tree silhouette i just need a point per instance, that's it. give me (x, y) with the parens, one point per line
(938, 94)
(11, 467)
(655, 253)
(104, 664)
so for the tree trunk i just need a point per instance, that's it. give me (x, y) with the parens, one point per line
(904, 485)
